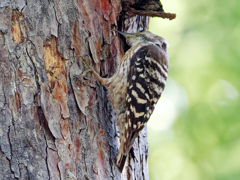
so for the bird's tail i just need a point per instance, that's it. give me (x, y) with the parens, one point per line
(121, 159)
(122, 156)
(125, 146)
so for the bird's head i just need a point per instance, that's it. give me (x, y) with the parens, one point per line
(145, 36)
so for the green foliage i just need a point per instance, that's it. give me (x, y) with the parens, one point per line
(194, 133)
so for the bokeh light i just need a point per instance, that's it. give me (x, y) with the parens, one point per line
(194, 132)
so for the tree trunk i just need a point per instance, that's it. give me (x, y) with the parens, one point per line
(55, 123)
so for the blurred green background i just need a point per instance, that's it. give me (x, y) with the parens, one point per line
(194, 132)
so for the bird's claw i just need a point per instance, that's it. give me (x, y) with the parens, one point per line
(86, 63)
(87, 71)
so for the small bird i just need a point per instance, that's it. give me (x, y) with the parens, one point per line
(136, 86)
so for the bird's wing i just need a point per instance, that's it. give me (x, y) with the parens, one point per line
(146, 81)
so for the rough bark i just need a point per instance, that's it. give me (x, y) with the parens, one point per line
(54, 123)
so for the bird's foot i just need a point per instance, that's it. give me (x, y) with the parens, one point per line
(86, 61)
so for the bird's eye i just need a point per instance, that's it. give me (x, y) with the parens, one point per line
(158, 45)
(164, 46)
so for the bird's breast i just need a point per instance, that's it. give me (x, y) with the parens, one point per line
(117, 90)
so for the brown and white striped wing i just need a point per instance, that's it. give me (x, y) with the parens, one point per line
(146, 81)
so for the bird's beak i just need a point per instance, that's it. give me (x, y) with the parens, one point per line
(127, 36)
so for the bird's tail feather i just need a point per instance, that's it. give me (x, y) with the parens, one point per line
(121, 159)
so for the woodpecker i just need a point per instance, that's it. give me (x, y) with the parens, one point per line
(136, 86)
